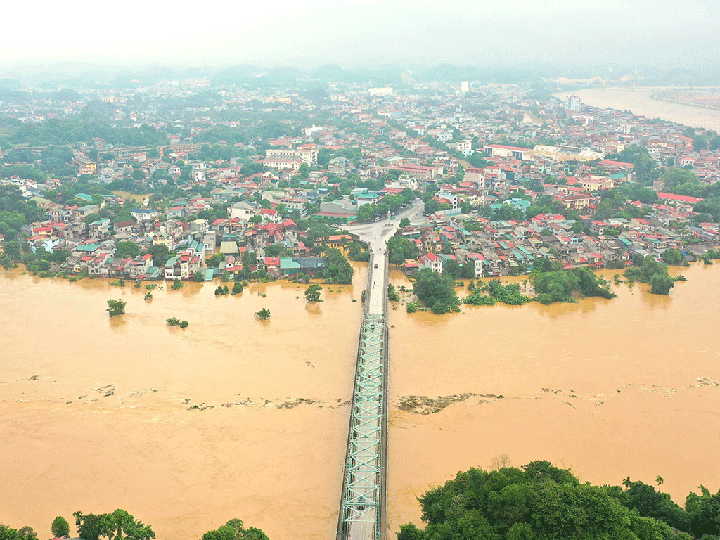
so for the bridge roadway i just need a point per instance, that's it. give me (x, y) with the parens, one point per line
(362, 507)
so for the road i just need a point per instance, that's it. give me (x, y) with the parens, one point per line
(376, 235)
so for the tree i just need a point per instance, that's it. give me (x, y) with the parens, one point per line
(312, 293)
(338, 269)
(704, 513)
(436, 291)
(116, 307)
(115, 526)
(198, 277)
(661, 284)
(125, 250)
(672, 256)
(235, 530)
(537, 501)
(60, 527)
(404, 222)
(263, 314)
(160, 254)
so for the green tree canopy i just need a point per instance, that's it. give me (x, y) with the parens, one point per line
(541, 502)
(60, 527)
(436, 291)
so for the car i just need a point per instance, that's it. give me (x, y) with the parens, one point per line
(376, 265)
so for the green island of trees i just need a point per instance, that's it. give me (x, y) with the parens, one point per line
(174, 321)
(116, 307)
(567, 285)
(263, 314)
(312, 293)
(653, 272)
(541, 502)
(436, 291)
(496, 292)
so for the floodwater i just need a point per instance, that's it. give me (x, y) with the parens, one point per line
(639, 101)
(235, 417)
(97, 413)
(608, 388)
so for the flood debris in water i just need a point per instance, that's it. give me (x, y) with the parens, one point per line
(427, 405)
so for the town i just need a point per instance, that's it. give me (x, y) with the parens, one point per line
(199, 179)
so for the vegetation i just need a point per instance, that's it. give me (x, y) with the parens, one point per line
(263, 314)
(539, 501)
(672, 256)
(235, 530)
(401, 248)
(436, 291)
(393, 295)
(177, 284)
(15, 211)
(566, 285)
(222, 290)
(24, 533)
(174, 321)
(237, 288)
(412, 307)
(60, 527)
(653, 272)
(116, 307)
(338, 269)
(356, 252)
(312, 293)
(119, 524)
(126, 250)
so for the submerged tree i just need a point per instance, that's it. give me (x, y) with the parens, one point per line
(312, 293)
(116, 307)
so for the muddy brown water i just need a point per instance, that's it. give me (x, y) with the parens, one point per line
(234, 417)
(97, 413)
(608, 388)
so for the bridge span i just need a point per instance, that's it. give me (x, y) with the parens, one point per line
(362, 513)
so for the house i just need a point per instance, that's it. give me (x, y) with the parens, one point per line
(241, 210)
(143, 214)
(432, 262)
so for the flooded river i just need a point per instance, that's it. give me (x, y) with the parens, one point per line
(609, 388)
(234, 417)
(97, 413)
(638, 101)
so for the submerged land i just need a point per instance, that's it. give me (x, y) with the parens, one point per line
(174, 189)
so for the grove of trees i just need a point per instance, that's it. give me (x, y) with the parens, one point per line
(541, 502)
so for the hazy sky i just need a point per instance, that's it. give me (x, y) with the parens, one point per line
(309, 33)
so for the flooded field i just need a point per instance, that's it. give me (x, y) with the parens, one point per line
(234, 417)
(609, 388)
(639, 101)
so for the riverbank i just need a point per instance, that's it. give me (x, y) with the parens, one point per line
(639, 101)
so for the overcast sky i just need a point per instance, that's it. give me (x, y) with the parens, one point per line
(364, 33)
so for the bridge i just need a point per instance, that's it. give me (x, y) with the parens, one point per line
(362, 513)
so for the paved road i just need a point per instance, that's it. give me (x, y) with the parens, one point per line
(376, 235)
